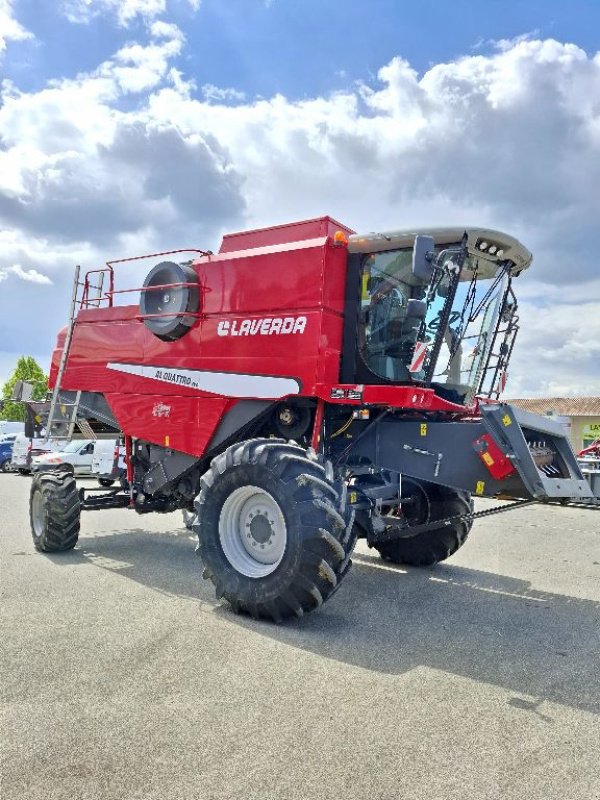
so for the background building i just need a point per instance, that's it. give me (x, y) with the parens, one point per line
(580, 415)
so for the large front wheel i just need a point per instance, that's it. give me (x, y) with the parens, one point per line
(54, 511)
(274, 533)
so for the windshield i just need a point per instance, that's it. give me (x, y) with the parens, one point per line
(400, 338)
(468, 337)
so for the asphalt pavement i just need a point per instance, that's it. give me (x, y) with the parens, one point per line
(122, 677)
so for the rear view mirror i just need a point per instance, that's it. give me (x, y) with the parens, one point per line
(422, 255)
(22, 391)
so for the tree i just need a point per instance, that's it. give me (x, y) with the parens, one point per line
(27, 369)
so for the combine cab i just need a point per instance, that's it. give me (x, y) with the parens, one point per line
(301, 388)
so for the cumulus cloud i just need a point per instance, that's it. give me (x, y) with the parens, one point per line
(136, 68)
(222, 95)
(10, 28)
(124, 11)
(91, 173)
(509, 140)
(558, 352)
(31, 275)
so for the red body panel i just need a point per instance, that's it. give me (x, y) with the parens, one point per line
(181, 423)
(280, 234)
(417, 397)
(273, 313)
(269, 326)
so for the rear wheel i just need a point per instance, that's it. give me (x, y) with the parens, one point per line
(105, 482)
(54, 511)
(430, 502)
(275, 535)
(5, 465)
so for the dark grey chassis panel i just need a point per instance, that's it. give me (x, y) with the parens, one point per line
(444, 453)
(511, 439)
(92, 405)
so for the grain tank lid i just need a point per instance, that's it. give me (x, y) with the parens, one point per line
(282, 234)
(480, 241)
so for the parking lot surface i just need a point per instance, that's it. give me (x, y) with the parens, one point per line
(122, 677)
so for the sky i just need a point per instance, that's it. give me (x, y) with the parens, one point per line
(132, 126)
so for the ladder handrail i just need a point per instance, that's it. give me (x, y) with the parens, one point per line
(63, 358)
(108, 295)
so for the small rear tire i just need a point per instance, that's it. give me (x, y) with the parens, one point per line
(106, 482)
(5, 465)
(431, 547)
(54, 511)
(274, 533)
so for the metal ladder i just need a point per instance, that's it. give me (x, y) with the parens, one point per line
(491, 383)
(84, 301)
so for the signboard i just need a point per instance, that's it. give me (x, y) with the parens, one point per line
(590, 432)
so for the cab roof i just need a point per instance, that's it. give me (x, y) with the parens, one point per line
(479, 242)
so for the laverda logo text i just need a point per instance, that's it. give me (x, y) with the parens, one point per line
(265, 326)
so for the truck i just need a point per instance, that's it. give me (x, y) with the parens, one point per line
(301, 388)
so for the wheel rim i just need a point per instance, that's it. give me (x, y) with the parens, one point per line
(252, 531)
(38, 513)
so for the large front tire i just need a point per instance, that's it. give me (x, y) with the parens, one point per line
(426, 549)
(54, 511)
(274, 534)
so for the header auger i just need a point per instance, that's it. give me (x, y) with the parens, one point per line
(303, 387)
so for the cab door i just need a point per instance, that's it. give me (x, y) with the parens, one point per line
(83, 462)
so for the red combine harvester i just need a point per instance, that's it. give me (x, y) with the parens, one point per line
(591, 450)
(303, 387)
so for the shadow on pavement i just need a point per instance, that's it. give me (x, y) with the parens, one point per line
(480, 625)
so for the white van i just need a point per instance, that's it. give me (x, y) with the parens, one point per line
(76, 455)
(26, 449)
(108, 461)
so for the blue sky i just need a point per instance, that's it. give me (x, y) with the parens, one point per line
(131, 126)
(301, 47)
